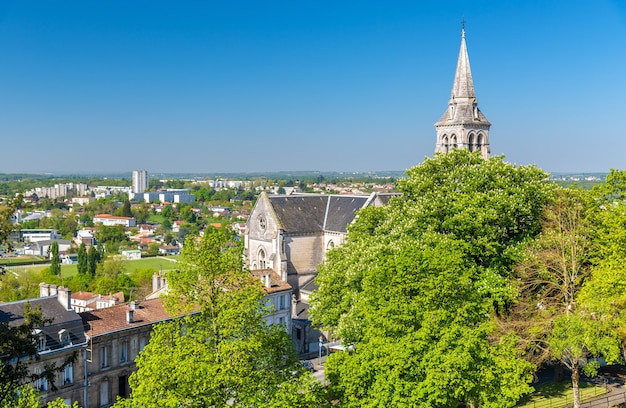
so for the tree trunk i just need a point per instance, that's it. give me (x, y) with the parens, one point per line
(575, 383)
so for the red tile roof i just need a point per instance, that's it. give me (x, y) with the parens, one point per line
(111, 319)
(276, 283)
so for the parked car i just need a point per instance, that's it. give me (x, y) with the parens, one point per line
(308, 365)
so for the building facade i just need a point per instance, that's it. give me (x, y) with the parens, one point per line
(290, 236)
(140, 181)
(61, 343)
(463, 125)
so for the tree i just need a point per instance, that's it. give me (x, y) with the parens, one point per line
(55, 261)
(18, 344)
(82, 259)
(551, 274)
(94, 258)
(6, 212)
(141, 212)
(418, 286)
(221, 352)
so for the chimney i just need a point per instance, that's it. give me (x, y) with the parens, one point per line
(130, 316)
(267, 281)
(132, 305)
(64, 296)
(156, 282)
(44, 289)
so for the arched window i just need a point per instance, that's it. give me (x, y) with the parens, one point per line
(444, 142)
(470, 142)
(453, 142)
(330, 245)
(479, 143)
(262, 262)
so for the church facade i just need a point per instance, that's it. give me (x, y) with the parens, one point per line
(289, 235)
(463, 125)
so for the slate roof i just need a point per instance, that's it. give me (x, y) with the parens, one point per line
(310, 286)
(306, 213)
(463, 95)
(13, 313)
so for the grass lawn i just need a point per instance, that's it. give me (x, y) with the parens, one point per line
(20, 259)
(555, 395)
(158, 264)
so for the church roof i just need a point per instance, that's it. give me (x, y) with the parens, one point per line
(463, 96)
(463, 86)
(306, 213)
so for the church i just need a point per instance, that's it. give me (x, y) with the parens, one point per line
(287, 236)
(463, 125)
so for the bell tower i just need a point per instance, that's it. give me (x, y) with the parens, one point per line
(463, 125)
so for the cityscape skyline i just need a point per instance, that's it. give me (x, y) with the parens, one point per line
(249, 87)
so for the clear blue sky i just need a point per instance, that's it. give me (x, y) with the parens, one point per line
(225, 86)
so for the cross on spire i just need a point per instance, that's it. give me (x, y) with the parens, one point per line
(463, 26)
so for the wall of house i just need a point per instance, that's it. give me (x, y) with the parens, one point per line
(109, 376)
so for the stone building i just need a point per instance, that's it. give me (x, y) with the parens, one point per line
(62, 343)
(463, 125)
(115, 336)
(290, 236)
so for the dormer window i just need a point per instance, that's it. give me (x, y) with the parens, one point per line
(41, 340)
(64, 337)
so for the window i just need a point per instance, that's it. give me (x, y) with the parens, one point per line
(41, 340)
(123, 352)
(142, 343)
(104, 357)
(281, 303)
(64, 337)
(68, 374)
(41, 383)
(261, 259)
(104, 394)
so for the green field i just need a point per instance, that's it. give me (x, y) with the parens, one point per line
(156, 263)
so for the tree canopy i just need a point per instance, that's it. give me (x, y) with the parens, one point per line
(419, 283)
(221, 352)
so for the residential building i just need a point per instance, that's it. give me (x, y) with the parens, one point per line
(116, 336)
(85, 236)
(82, 301)
(109, 220)
(463, 125)
(278, 295)
(140, 181)
(62, 342)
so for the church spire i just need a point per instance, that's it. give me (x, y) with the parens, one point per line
(463, 125)
(463, 86)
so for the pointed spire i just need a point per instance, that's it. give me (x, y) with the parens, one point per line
(463, 86)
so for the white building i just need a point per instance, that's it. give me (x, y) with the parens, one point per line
(140, 181)
(109, 220)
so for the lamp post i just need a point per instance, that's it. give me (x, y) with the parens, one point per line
(320, 349)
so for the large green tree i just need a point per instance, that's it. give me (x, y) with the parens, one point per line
(419, 283)
(82, 260)
(549, 314)
(221, 353)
